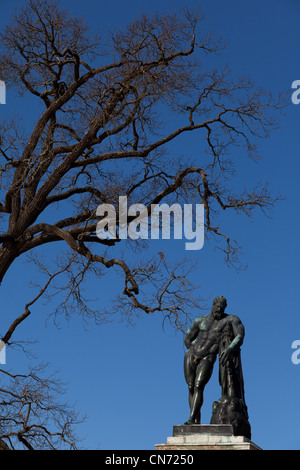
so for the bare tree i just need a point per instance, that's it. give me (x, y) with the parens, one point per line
(32, 416)
(103, 131)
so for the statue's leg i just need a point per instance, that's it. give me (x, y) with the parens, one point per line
(189, 374)
(203, 374)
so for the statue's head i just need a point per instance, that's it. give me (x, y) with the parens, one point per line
(218, 307)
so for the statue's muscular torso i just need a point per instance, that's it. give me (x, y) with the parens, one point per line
(203, 338)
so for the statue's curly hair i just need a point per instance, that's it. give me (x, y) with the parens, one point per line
(220, 298)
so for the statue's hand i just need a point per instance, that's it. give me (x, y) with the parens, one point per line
(225, 355)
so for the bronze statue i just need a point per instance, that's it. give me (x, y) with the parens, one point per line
(210, 335)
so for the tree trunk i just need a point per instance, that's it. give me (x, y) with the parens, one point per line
(7, 257)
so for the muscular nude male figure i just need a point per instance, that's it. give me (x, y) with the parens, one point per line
(203, 343)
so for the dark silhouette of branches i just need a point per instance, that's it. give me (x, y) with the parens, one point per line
(103, 131)
(32, 416)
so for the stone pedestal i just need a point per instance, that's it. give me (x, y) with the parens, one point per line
(206, 437)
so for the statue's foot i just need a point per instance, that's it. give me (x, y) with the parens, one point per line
(193, 421)
(190, 421)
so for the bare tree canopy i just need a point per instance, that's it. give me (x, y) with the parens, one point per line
(102, 132)
(32, 416)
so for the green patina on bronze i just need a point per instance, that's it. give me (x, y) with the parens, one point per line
(217, 333)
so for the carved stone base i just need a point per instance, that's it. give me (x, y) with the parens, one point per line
(206, 437)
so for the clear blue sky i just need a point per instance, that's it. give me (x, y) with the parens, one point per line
(129, 380)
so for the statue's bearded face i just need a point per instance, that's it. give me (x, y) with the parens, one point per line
(218, 308)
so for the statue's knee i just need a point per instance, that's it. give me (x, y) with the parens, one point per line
(198, 385)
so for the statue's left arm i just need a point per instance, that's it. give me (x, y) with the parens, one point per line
(239, 334)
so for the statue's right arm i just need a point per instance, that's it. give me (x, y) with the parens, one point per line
(191, 333)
